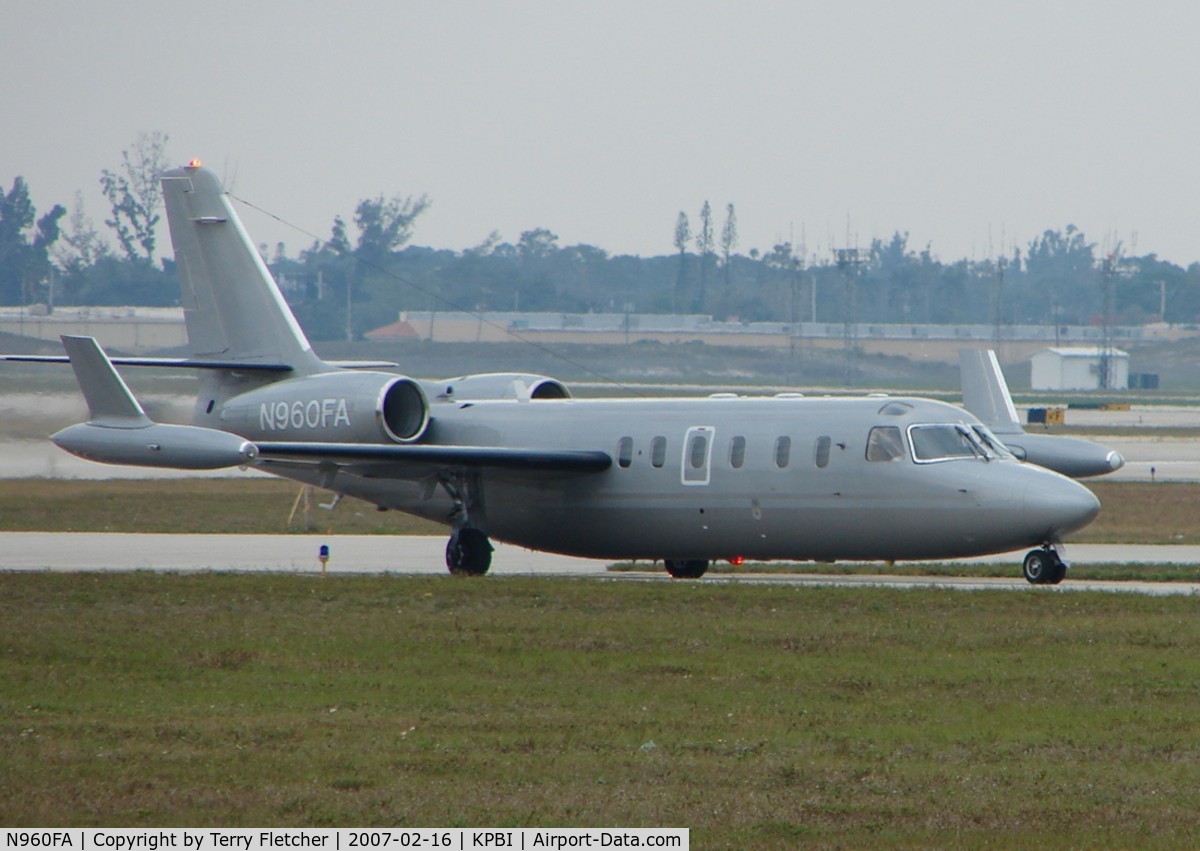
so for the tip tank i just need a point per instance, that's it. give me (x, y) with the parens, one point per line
(178, 447)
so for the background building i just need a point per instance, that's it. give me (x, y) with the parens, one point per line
(1091, 368)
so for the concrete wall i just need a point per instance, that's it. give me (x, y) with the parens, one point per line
(128, 329)
(929, 343)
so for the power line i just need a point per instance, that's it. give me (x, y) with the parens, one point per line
(448, 303)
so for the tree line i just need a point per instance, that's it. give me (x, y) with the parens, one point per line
(368, 270)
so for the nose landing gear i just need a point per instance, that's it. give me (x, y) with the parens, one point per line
(1044, 567)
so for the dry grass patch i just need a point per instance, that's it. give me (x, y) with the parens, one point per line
(1145, 513)
(1142, 513)
(247, 505)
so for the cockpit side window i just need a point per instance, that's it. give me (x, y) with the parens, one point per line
(943, 442)
(885, 443)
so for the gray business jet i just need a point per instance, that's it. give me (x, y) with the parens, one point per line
(514, 457)
(985, 394)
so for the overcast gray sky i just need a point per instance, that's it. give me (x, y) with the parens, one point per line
(969, 125)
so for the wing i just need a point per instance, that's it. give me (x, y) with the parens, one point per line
(416, 461)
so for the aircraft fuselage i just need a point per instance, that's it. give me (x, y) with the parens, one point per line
(759, 478)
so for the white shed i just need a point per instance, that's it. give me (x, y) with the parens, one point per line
(1079, 369)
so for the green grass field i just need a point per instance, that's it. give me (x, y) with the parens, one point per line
(758, 717)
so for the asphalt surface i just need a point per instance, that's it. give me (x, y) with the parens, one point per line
(353, 554)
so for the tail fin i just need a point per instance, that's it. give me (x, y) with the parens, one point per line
(985, 392)
(232, 306)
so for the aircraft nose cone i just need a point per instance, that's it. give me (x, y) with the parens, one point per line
(1115, 460)
(1060, 506)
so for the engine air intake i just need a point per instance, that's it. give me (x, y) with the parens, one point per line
(404, 410)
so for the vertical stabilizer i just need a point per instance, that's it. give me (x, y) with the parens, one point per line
(985, 392)
(232, 306)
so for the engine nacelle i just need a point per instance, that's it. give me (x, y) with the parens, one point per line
(177, 447)
(343, 407)
(497, 385)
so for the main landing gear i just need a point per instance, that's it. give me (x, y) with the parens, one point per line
(1044, 567)
(686, 568)
(469, 552)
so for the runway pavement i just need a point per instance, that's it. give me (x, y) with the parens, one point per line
(350, 554)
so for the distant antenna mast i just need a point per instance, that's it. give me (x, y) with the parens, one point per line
(797, 282)
(998, 271)
(849, 261)
(1111, 267)
(998, 303)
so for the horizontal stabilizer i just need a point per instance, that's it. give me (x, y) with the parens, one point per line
(173, 363)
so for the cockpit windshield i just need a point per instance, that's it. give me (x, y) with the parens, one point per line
(990, 442)
(945, 442)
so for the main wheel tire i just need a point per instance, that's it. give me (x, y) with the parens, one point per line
(469, 553)
(1035, 567)
(1041, 566)
(686, 568)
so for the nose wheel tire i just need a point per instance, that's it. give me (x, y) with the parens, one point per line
(1043, 567)
(686, 568)
(469, 553)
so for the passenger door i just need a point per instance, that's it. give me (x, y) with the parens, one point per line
(697, 455)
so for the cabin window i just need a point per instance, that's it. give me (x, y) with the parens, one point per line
(783, 451)
(697, 451)
(885, 443)
(821, 451)
(737, 452)
(658, 451)
(625, 451)
(942, 443)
